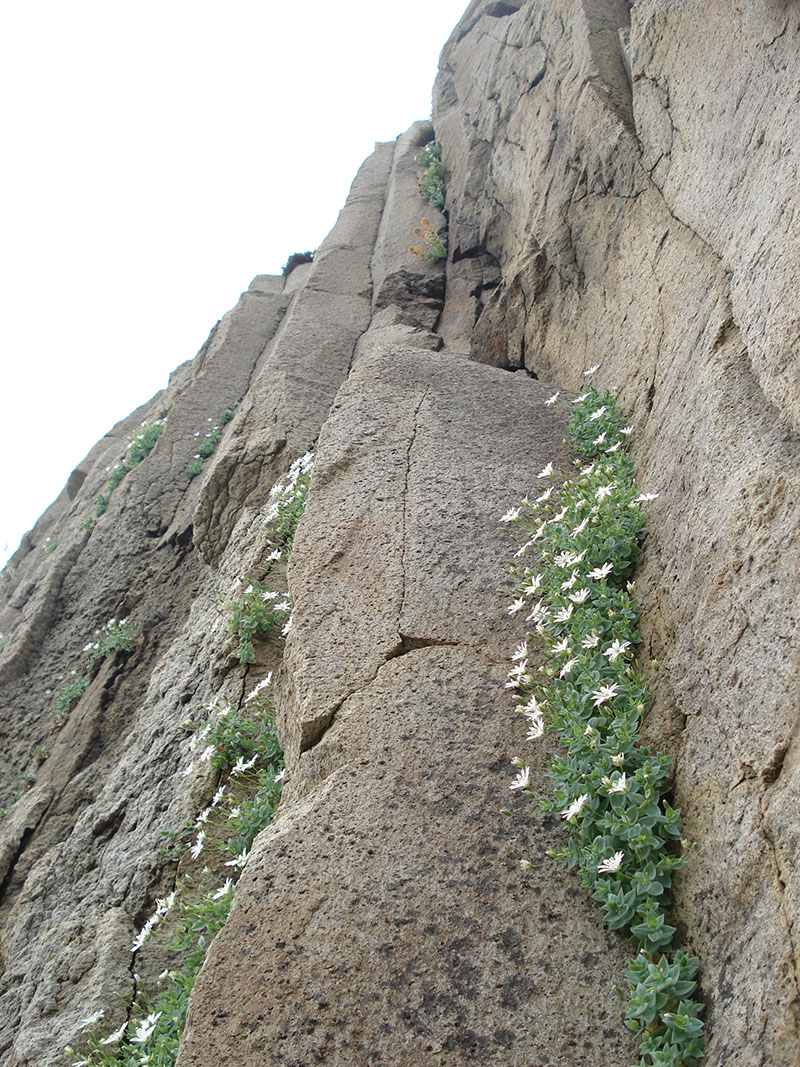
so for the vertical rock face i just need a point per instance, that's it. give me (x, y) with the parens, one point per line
(621, 189)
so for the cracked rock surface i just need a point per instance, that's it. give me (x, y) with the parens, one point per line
(396, 929)
(621, 187)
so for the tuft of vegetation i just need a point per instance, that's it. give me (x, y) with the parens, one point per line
(295, 260)
(138, 449)
(69, 694)
(207, 443)
(115, 636)
(431, 183)
(611, 791)
(51, 544)
(431, 246)
(256, 611)
(223, 833)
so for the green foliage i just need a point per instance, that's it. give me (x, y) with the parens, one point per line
(69, 694)
(208, 443)
(431, 183)
(154, 1031)
(115, 636)
(256, 611)
(236, 736)
(610, 789)
(51, 544)
(139, 448)
(295, 260)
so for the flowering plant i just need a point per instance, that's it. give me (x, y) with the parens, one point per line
(608, 788)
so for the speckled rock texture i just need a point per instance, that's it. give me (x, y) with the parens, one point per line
(621, 189)
(397, 928)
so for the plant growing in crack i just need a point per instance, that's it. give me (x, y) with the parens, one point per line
(431, 246)
(609, 788)
(138, 449)
(241, 743)
(256, 611)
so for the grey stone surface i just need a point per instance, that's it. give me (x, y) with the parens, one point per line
(384, 918)
(621, 190)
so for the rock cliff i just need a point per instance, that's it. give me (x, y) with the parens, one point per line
(620, 189)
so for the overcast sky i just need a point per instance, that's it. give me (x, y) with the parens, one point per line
(157, 156)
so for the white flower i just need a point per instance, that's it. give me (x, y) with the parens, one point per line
(146, 1028)
(613, 863)
(644, 498)
(558, 517)
(551, 400)
(562, 646)
(601, 572)
(90, 1020)
(280, 775)
(88, 648)
(220, 793)
(619, 759)
(235, 813)
(580, 399)
(614, 448)
(620, 785)
(604, 693)
(545, 495)
(112, 1039)
(522, 780)
(615, 649)
(287, 626)
(202, 817)
(165, 905)
(538, 535)
(580, 596)
(517, 671)
(240, 860)
(599, 440)
(531, 709)
(516, 605)
(274, 554)
(223, 890)
(197, 847)
(568, 584)
(580, 527)
(208, 752)
(598, 414)
(591, 370)
(242, 765)
(567, 668)
(268, 595)
(545, 472)
(521, 551)
(591, 640)
(604, 490)
(536, 728)
(575, 808)
(283, 606)
(510, 515)
(538, 614)
(564, 614)
(585, 470)
(188, 770)
(521, 651)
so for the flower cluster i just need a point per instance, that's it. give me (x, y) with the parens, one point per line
(115, 636)
(431, 246)
(138, 449)
(207, 443)
(609, 789)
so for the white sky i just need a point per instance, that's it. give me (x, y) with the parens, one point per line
(157, 156)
